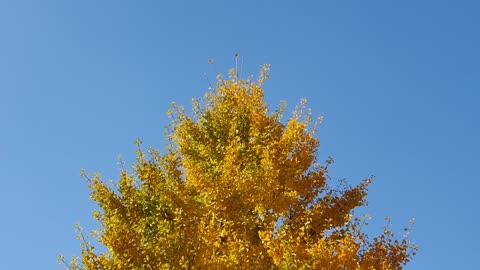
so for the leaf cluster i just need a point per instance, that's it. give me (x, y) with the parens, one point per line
(237, 188)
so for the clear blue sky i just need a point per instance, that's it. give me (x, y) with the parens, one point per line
(397, 83)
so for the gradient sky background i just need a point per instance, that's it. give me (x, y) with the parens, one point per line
(397, 83)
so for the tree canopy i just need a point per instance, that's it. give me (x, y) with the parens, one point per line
(237, 187)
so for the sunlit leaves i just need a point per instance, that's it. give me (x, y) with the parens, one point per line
(238, 187)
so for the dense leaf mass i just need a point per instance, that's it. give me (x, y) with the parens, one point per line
(238, 187)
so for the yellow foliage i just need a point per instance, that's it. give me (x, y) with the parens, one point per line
(237, 188)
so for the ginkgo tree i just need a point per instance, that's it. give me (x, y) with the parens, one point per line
(237, 187)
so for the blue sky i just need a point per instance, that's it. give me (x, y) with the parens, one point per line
(397, 83)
